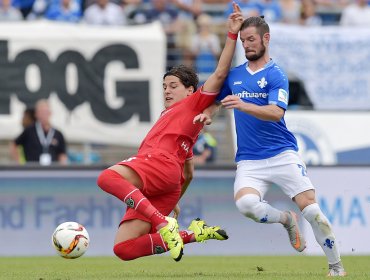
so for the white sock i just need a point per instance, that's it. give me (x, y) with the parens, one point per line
(251, 206)
(323, 232)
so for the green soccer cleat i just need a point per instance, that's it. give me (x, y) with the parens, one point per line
(202, 232)
(170, 234)
(296, 239)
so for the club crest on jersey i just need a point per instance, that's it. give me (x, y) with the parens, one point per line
(262, 83)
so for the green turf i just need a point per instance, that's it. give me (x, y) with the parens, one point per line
(190, 267)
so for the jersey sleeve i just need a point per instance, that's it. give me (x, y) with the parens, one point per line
(279, 89)
(200, 100)
(225, 90)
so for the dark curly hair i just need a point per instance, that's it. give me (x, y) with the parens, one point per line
(187, 76)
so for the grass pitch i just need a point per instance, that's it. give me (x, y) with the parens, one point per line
(190, 267)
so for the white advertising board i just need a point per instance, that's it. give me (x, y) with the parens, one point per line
(344, 196)
(33, 203)
(104, 84)
(330, 138)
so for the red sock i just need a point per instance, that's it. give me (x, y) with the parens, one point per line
(187, 236)
(146, 245)
(112, 182)
(158, 220)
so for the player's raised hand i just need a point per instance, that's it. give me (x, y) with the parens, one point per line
(202, 118)
(235, 19)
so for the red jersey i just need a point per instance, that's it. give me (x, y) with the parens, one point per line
(174, 133)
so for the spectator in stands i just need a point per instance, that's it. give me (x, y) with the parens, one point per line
(291, 11)
(28, 119)
(8, 12)
(309, 16)
(271, 10)
(133, 10)
(205, 148)
(188, 10)
(41, 142)
(104, 12)
(356, 14)
(64, 10)
(330, 10)
(162, 11)
(205, 46)
(333, 4)
(24, 6)
(38, 9)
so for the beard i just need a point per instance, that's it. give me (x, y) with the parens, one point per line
(257, 55)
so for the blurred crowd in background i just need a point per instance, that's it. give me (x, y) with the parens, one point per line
(195, 29)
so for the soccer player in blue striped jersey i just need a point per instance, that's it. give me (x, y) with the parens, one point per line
(258, 93)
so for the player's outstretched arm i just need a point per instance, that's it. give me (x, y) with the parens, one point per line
(215, 81)
(207, 115)
(266, 113)
(188, 175)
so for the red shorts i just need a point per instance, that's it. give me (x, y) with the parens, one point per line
(162, 181)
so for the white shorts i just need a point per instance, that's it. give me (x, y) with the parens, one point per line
(287, 170)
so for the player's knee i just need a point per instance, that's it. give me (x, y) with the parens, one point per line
(102, 179)
(123, 251)
(105, 177)
(248, 205)
(313, 213)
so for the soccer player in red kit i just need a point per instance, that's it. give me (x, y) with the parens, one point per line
(152, 182)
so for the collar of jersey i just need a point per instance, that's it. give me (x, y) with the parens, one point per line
(268, 64)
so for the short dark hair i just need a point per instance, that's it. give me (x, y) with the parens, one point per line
(187, 76)
(258, 22)
(30, 112)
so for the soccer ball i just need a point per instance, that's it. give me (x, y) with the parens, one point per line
(71, 240)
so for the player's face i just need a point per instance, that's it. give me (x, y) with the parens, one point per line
(174, 91)
(252, 43)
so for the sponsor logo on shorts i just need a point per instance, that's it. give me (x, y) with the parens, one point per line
(303, 169)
